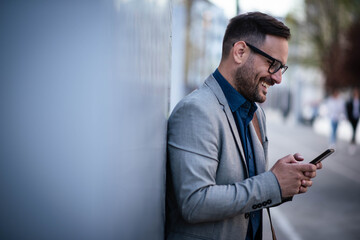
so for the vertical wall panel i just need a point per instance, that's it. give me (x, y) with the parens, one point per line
(83, 105)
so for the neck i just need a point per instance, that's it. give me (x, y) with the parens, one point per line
(227, 74)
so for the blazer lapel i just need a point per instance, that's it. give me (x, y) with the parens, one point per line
(214, 86)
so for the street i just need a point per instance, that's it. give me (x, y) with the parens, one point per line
(330, 208)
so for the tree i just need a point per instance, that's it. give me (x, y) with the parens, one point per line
(327, 22)
(351, 61)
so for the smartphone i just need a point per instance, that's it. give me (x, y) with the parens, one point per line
(322, 156)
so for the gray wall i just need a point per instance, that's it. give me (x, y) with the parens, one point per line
(83, 105)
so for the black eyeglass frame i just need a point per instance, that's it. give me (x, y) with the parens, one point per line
(274, 60)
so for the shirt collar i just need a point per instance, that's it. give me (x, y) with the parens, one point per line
(234, 98)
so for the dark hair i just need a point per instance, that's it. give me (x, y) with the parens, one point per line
(253, 28)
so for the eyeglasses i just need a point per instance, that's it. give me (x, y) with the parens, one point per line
(275, 65)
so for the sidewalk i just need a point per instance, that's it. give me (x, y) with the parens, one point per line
(330, 208)
(344, 132)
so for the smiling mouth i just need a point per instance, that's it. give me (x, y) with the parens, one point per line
(264, 84)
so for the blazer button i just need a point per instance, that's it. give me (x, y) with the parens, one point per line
(254, 207)
(264, 204)
(247, 215)
(259, 205)
(269, 201)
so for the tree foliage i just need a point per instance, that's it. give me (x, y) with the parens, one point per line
(331, 27)
(352, 55)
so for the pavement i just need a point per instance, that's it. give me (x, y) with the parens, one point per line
(331, 207)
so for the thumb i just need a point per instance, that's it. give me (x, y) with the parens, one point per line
(298, 157)
(289, 159)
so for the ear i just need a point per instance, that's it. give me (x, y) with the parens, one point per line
(240, 52)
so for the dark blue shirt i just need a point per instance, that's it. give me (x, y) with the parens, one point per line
(243, 112)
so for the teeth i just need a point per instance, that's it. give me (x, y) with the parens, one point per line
(265, 85)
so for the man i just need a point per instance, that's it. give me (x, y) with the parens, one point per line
(217, 147)
(353, 114)
(336, 111)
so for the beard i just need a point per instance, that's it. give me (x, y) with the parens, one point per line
(247, 82)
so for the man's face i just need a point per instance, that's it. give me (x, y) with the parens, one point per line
(253, 78)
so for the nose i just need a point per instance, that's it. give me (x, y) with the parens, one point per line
(276, 77)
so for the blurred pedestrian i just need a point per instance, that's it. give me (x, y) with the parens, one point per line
(353, 113)
(285, 103)
(336, 111)
(218, 183)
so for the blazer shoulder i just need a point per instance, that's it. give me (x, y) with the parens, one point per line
(196, 124)
(202, 99)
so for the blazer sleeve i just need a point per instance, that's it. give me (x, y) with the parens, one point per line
(194, 147)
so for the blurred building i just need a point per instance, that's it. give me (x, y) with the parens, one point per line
(198, 29)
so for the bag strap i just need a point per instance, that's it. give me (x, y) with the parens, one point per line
(271, 225)
(258, 133)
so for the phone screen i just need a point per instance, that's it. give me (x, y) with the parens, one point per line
(322, 156)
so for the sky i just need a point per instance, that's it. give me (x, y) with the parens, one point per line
(276, 8)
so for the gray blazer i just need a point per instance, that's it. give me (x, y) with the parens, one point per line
(209, 194)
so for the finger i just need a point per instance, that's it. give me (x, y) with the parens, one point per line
(302, 189)
(310, 174)
(298, 157)
(306, 167)
(306, 183)
(305, 178)
(319, 165)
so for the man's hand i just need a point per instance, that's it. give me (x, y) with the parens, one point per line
(294, 177)
(303, 187)
(300, 158)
